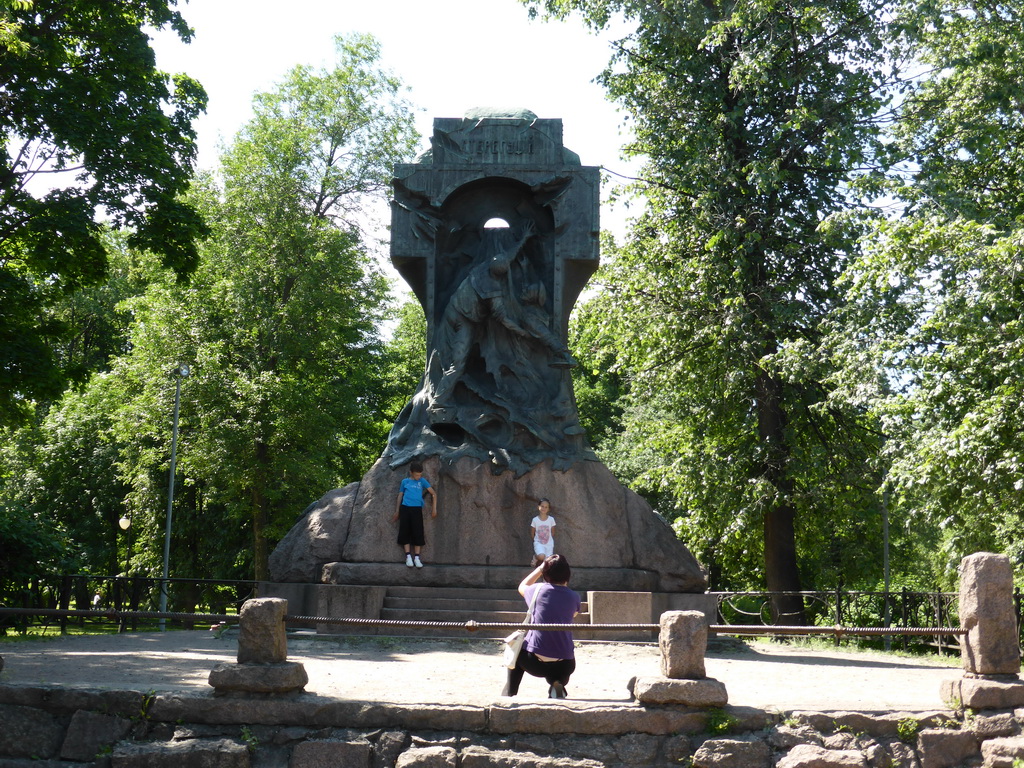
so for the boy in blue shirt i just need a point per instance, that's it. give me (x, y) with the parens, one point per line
(409, 513)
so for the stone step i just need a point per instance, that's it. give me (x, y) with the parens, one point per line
(454, 604)
(458, 600)
(426, 614)
(463, 616)
(448, 633)
(482, 576)
(454, 593)
(195, 753)
(451, 604)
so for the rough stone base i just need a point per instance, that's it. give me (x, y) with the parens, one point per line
(198, 753)
(658, 691)
(307, 731)
(810, 756)
(478, 576)
(1000, 753)
(284, 677)
(599, 521)
(89, 732)
(946, 747)
(732, 753)
(976, 692)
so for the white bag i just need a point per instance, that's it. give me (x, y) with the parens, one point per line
(514, 642)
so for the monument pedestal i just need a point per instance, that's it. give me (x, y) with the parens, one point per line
(470, 603)
(480, 576)
(611, 537)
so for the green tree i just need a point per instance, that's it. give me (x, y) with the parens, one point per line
(754, 116)
(29, 542)
(937, 296)
(60, 486)
(279, 321)
(9, 28)
(406, 351)
(92, 132)
(600, 388)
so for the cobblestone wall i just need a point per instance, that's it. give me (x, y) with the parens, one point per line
(46, 727)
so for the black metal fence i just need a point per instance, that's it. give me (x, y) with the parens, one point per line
(81, 592)
(96, 594)
(883, 610)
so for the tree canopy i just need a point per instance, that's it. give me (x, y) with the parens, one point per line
(813, 324)
(93, 133)
(278, 322)
(819, 304)
(754, 117)
(936, 295)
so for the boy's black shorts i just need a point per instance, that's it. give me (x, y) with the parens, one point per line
(410, 526)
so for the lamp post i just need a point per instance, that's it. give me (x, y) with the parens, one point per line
(124, 524)
(885, 561)
(179, 373)
(122, 592)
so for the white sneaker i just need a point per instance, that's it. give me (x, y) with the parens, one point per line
(408, 560)
(417, 561)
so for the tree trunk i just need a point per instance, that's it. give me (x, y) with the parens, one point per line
(780, 564)
(260, 515)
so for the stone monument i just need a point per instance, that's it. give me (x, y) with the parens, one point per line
(990, 649)
(495, 228)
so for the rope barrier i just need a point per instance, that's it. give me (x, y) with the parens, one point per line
(473, 626)
(718, 629)
(470, 626)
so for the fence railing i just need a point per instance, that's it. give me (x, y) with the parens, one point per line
(889, 611)
(92, 595)
(883, 610)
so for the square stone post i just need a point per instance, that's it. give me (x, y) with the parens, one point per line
(683, 640)
(262, 653)
(990, 651)
(990, 646)
(261, 632)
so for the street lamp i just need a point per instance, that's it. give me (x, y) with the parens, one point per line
(122, 591)
(179, 373)
(124, 524)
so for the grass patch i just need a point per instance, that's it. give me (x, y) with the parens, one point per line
(89, 627)
(950, 658)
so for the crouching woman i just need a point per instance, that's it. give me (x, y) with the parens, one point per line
(547, 653)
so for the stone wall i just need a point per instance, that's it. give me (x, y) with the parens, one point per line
(45, 727)
(259, 717)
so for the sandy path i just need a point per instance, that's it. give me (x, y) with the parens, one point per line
(406, 670)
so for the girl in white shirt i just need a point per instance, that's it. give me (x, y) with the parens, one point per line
(542, 528)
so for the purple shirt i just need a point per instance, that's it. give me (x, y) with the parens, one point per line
(555, 605)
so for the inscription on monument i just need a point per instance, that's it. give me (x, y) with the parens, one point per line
(497, 148)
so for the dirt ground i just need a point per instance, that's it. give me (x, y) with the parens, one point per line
(402, 670)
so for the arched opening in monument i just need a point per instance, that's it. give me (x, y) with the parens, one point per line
(479, 203)
(482, 215)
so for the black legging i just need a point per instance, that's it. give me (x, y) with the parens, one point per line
(551, 671)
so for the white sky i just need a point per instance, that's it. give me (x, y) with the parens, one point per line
(453, 55)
